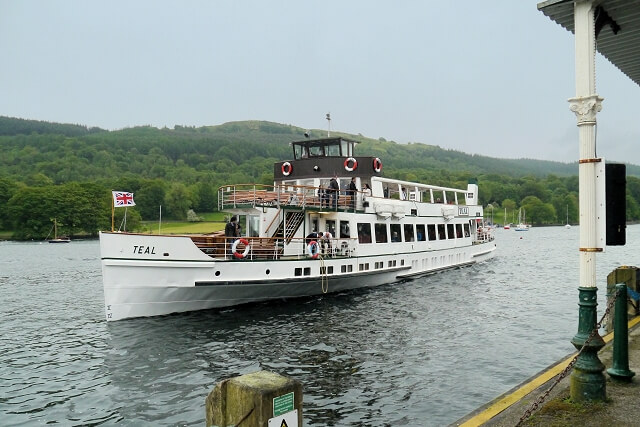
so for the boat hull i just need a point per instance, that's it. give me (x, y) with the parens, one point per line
(146, 275)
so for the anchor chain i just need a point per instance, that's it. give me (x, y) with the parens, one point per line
(536, 404)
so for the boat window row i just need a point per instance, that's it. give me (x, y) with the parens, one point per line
(392, 233)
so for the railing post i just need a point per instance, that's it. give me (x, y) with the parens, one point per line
(620, 370)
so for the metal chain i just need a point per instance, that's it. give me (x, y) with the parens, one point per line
(536, 404)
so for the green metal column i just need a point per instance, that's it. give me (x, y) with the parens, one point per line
(588, 382)
(620, 369)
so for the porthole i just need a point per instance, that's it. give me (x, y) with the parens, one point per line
(268, 271)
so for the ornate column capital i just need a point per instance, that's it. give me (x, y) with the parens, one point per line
(586, 108)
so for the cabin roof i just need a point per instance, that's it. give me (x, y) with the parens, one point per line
(323, 141)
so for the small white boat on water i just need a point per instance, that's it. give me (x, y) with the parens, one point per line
(567, 225)
(522, 221)
(393, 231)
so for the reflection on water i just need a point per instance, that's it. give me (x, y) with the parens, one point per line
(424, 352)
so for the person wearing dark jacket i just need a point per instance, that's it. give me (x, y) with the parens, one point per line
(334, 190)
(231, 231)
(352, 191)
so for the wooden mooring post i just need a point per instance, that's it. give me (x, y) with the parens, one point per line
(630, 276)
(259, 399)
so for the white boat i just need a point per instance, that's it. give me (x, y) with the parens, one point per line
(522, 221)
(376, 238)
(567, 225)
(57, 239)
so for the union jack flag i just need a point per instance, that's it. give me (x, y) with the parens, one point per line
(120, 198)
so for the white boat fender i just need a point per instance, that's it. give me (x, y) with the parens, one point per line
(350, 164)
(234, 248)
(313, 249)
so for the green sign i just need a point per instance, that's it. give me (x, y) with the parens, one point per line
(282, 404)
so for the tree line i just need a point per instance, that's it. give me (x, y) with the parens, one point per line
(67, 172)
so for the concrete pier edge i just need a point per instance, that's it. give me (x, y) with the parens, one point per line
(512, 404)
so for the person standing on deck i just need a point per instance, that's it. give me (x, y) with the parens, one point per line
(231, 232)
(334, 189)
(352, 191)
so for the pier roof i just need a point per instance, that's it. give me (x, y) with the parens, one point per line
(617, 30)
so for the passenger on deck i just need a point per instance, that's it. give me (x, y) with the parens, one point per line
(231, 231)
(325, 242)
(352, 190)
(334, 190)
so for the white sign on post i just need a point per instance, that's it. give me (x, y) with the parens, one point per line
(289, 419)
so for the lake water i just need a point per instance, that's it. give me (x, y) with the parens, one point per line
(418, 353)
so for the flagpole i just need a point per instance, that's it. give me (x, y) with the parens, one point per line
(113, 208)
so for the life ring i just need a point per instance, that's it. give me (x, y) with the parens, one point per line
(350, 164)
(246, 248)
(286, 168)
(313, 249)
(377, 165)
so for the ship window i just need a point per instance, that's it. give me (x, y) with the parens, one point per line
(327, 270)
(459, 231)
(330, 226)
(395, 233)
(333, 150)
(414, 212)
(450, 231)
(364, 267)
(344, 230)
(298, 151)
(442, 234)
(298, 272)
(421, 236)
(316, 151)
(381, 233)
(364, 232)
(467, 233)
(307, 271)
(408, 233)
(431, 228)
(392, 263)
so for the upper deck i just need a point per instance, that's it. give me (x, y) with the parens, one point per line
(325, 158)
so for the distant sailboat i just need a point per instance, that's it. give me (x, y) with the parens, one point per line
(57, 239)
(507, 226)
(567, 224)
(522, 221)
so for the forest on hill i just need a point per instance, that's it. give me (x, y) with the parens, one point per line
(67, 171)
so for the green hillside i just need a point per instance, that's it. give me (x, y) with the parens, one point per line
(45, 165)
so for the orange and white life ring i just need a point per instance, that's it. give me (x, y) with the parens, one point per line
(286, 168)
(313, 249)
(377, 165)
(350, 164)
(234, 248)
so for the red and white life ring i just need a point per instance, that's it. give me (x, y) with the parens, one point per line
(313, 249)
(286, 168)
(350, 164)
(377, 165)
(236, 254)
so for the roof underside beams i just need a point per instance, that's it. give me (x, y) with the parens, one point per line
(617, 28)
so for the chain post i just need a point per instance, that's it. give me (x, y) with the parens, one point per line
(536, 404)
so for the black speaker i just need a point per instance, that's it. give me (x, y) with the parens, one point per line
(616, 195)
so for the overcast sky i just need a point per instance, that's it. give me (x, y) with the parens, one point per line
(490, 78)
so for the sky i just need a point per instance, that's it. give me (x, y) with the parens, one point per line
(489, 78)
